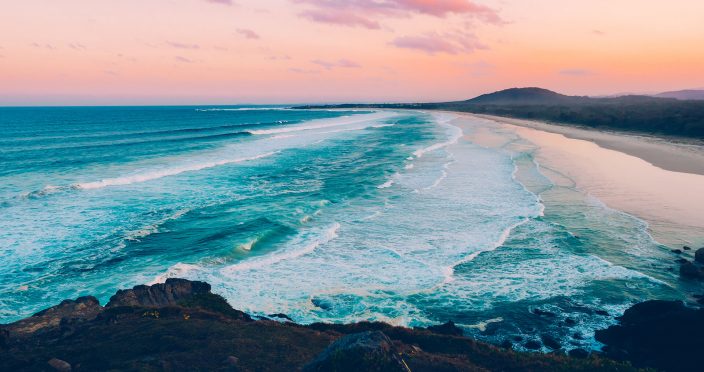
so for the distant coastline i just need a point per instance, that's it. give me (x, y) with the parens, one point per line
(676, 154)
(634, 113)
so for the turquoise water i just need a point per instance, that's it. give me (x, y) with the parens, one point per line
(331, 216)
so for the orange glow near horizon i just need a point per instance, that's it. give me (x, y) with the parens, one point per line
(267, 51)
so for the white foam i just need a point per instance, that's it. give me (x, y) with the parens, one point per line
(481, 326)
(449, 271)
(152, 175)
(326, 123)
(455, 135)
(386, 184)
(371, 216)
(179, 270)
(153, 228)
(443, 175)
(328, 235)
(244, 109)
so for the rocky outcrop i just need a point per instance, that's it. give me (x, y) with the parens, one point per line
(181, 325)
(665, 335)
(699, 255)
(59, 365)
(691, 271)
(366, 351)
(448, 328)
(165, 294)
(68, 311)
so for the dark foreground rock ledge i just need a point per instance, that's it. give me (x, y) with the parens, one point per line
(665, 335)
(181, 326)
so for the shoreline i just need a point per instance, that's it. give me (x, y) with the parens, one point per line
(674, 154)
(607, 166)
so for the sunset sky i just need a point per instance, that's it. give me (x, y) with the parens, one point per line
(295, 51)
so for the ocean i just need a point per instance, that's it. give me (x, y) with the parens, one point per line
(332, 216)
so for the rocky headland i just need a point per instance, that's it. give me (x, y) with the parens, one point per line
(181, 325)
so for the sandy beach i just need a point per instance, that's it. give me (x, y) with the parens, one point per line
(655, 179)
(680, 155)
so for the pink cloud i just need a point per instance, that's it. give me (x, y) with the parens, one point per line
(342, 63)
(576, 72)
(366, 13)
(224, 2)
(77, 46)
(183, 59)
(433, 43)
(441, 8)
(249, 34)
(303, 71)
(178, 45)
(339, 17)
(44, 46)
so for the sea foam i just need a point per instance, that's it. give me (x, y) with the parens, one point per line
(152, 175)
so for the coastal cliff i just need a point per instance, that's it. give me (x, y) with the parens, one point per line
(181, 325)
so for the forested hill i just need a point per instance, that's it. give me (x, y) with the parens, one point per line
(643, 114)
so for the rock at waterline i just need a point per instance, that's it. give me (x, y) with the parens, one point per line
(68, 311)
(59, 365)
(550, 341)
(660, 334)
(690, 270)
(164, 294)
(699, 255)
(578, 353)
(448, 328)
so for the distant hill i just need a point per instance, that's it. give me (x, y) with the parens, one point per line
(687, 94)
(636, 113)
(521, 96)
(539, 96)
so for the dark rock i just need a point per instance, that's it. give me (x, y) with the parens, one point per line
(686, 248)
(543, 312)
(681, 261)
(281, 316)
(691, 271)
(507, 344)
(83, 308)
(232, 360)
(550, 341)
(518, 338)
(59, 365)
(601, 312)
(578, 353)
(578, 336)
(4, 338)
(366, 351)
(664, 335)
(492, 328)
(159, 295)
(533, 345)
(570, 321)
(677, 251)
(699, 255)
(448, 328)
(202, 332)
